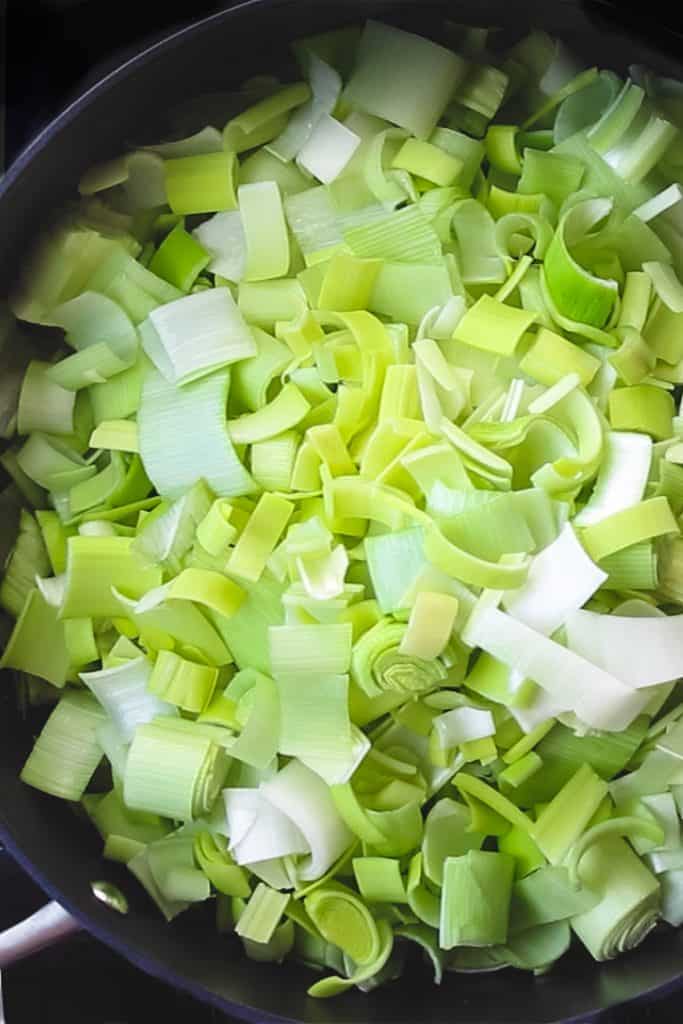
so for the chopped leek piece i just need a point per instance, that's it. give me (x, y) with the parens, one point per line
(475, 902)
(169, 419)
(125, 693)
(643, 408)
(403, 78)
(29, 558)
(37, 644)
(493, 326)
(259, 537)
(177, 774)
(302, 795)
(43, 404)
(641, 522)
(196, 335)
(67, 751)
(185, 684)
(201, 183)
(95, 565)
(629, 904)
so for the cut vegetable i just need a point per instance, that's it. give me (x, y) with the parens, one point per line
(354, 496)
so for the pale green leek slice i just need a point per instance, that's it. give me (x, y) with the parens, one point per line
(432, 619)
(286, 410)
(259, 537)
(266, 118)
(377, 664)
(262, 914)
(169, 412)
(182, 683)
(43, 404)
(629, 904)
(475, 903)
(196, 335)
(91, 318)
(403, 78)
(551, 357)
(29, 558)
(642, 408)
(493, 326)
(201, 183)
(567, 815)
(214, 860)
(379, 879)
(96, 565)
(67, 751)
(328, 150)
(474, 229)
(37, 643)
(643, 521)
(265, 231)
(222, 237)
(51, 464)
(116, 435)
(177, 774)
(321, 648)
(405, 236)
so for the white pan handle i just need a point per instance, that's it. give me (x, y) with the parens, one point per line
(47, 926)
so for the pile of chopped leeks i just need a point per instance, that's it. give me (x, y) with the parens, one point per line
(349, 552)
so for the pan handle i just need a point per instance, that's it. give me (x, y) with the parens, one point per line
(47, 926)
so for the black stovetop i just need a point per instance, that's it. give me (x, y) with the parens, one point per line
(51, 48)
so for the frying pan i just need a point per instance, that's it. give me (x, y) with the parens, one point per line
(60, 851)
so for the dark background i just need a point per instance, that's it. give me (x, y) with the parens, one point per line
(49, 50)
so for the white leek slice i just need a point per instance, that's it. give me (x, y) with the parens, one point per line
(302, 795)
(328, 150)
(196, 335)
(223, 237)
(621, 478)
(540, 709)
(122, 692)
(639, 651)
(461, 725)
(257, 829)
(561, 579)
(325, 85)
(597, 698)
(170, 421)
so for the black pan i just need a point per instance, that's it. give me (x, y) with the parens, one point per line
(53, 845)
